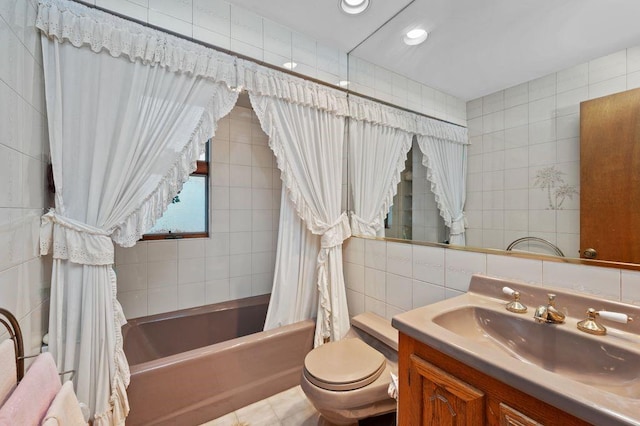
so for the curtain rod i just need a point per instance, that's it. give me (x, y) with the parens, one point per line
(262, 63)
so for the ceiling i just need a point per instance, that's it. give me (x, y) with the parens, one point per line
(475, 47)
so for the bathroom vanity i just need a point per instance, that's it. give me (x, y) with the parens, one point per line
(470, 361)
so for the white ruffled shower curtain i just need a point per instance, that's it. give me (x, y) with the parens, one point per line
(129, 111)
(305, 123)
(377, 154)
(446, 163)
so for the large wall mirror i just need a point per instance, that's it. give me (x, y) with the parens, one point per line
(524, 165)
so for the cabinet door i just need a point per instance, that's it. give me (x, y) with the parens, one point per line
(442, 399)
(511, 417)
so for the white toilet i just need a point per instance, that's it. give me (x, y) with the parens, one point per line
(348, 380)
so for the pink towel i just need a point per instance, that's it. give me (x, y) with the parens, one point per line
(30, 400)
(8, 375)
(65, 409)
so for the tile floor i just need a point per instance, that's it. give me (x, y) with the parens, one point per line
(288, 408)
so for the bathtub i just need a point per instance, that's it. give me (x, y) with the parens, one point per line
(194, 365)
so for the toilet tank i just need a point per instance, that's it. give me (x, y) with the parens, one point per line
(377, 327)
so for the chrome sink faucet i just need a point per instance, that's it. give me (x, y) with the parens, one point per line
(549, 314)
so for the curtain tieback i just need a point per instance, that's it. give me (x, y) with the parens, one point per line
(458, 224)
(360, 227)
(74, 241)
(336, 233)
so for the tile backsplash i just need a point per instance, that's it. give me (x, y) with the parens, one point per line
(24, 154)
(387, 277)
(238, 258)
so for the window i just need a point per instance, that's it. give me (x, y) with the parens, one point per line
(188, 214)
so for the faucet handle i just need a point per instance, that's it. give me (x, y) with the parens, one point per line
(552, 299)
(591, 326)
(515, 305)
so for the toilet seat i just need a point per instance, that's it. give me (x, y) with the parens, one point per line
(344, 365)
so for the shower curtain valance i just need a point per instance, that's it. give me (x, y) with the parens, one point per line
(362, 109)
(68, 21)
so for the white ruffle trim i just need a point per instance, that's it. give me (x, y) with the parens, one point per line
(118, 401)
(83, 26)
(456, 225)
(131, 229)
(276, 84)
(77, 242)
(365, 110)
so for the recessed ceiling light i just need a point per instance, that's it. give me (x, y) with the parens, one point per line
(415, 36)
(289, 65)
(353, 7)
(343, 83)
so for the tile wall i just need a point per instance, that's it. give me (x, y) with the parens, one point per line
(24, 146)
(390, 277)
(427, 224)
(521, 131)
(229, 27)
(238, 258)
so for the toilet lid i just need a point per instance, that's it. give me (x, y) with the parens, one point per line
(344, 365)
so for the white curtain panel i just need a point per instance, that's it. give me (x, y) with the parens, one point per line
(129, 111)
(306, 135)
(295, 270)
(377, 155)
(446, 163)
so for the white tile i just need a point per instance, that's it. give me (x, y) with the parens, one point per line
(568, 221)
(353, 250)
(516, 137)
(12, 175)
(162, 250)
(375, 306)
(240, 287)
(217, 268)
(240, 199)
(355, 302)
(262, 220)
(399, 259)
(163, 299)
(135, 254)
(125, 8)
(604, 282)
(573, 78)
(262, 241)
(191, 248)
(608, 67)
(246, 26)
(191, 270)
(213, 38)
(220, 220)
(493, 122)
(515, 159)
(354, 277)
(220, 174)
(304, 51)
(240, 265)
(375, 254)
(569, 102)
(608, 87)
(247, 49)
(542, 87)
(633, 80)
(516, 95)
(261, 283)
(493, 102)
(134, 303)
(170, 23)
(425, 293)
(474, 108)
(399, 291)
(213, 15)
(513, 268)
(375, 283)
(460, 265)
(191, 295)
(568, 126)
(542, 109)
(162, 274)
(517, 220)
(277, 39)
(516, 116)
(542, 154)
(179, 9)
(132, 277)
(217, 291)
(542, 131)
(262, 263)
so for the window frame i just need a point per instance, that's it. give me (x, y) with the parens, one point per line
(202, 169)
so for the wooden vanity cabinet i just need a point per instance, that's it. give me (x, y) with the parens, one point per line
(436, 389)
